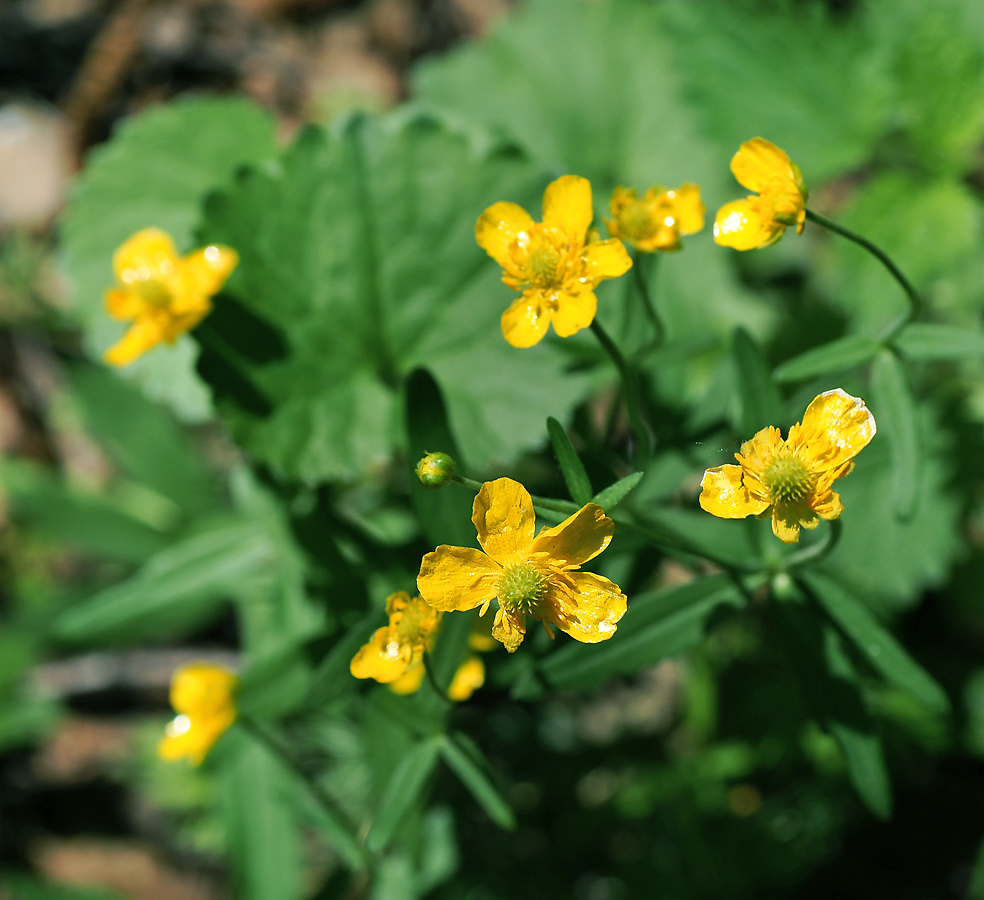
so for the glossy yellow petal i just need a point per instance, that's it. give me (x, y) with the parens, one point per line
(567, 206)
(468, 679)
(787, 519)
(724, 494)
(746, 225)
(687, 208)
(202, 274)
(191, 738)
(457, 578)
(579, 538)
(759, 165)
(138, 339)
(509, 630)
(504, 519)
(382, 658)
(574, 312)
(836, 427)
(605, 259)
(410, 681)
(526, 321)
(498, 227)
(591, 610)
(123, 304)
(146, 255)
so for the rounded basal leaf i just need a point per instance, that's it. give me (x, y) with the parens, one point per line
(359, 249)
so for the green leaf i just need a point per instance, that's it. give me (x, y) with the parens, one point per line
(451, 647)
(923, 342)
(359, 248)
(614, 494)
(576, 479)
(657, 625)
(154, 172)
(850, 352)
(761, 404)
(21, 887)
(875, 643)
(404, 791)
(894, 410)
(466, 761)
(275, 684)
(333, 678)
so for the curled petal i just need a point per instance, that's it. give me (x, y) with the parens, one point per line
(147, 254)
(574, 312)
(605, 259)
(457, 578)
(788, 518)
(382, 658)
(724, 494)
(759, 165)
(830, 508)
(468, 679)
(526, 321)
(139, 338)
(498, 227)
(567, 206)
(509, 630)
(590, 612)
(504, 518)
(579, 538)
(746, 225)
(836, 427)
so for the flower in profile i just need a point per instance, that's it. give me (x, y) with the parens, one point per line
(531, 576)
(394, 654)
(555, 263)
(758, 221)
(162, 294)
(659, 219)
(792, 479)
(202, 695)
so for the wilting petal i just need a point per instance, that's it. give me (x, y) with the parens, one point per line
(457, 578)
(759, 165)
(409, 682)
(202, 274)
(589, 612)
(123, 304)
(509, 630)
(688, 208)
(526, 321)
(468, 679)
(149, 254)
(574, 312)
(605, 259)
(381, 658)
(836, 427)
(746, 225)
(578, 538)
(139, 338)
(567, 206)
(498, 227)
(504, 518)
(725, 495)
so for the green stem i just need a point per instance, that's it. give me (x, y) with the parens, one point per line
(915, 301)
(642, 270)
(820, 550)
(630, 387)
(432, 679)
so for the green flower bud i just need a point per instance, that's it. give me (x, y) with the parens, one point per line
(435, 470)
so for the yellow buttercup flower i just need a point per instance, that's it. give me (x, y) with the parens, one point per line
(659, 219)
(395, 653)
(202, 695)
(554, 262)
(758, 221)
(468, 679)
(529, 575)
(163, 294)
(792, 479)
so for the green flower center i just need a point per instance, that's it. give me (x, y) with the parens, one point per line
(543, 264)
(153, 292)
(637, 222)
(521, 588)
(788, 479)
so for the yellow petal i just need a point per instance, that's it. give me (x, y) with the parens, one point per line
(579, 538)
(574, 312)
(567, 206)
(591, 610)
(504, 519)
(509, 630)
(147, 254)
(498, 227)
(192, 737)
(139, 338)
(468, 679)
(759, 165)
(123, 304)
(202, 274)
(381, 658)
(177, 325)
(201, 689)
(787, 519)
(457, 578)
(830, 508)
(410, 681)
(746, 225)
(526, 321)
(725, 495)
(688, 209)
(836, 427)
(757, 453)
(605, 259)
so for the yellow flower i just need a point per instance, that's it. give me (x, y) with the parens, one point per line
(793, 478)
(201, 694)
(163, 294)
(396, 651)
(758, 221)
(468, 679)
(529, 575)
(552, 262)
(659, 219)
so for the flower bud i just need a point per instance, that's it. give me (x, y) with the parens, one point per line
(435, 470)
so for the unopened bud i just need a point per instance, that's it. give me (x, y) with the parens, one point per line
(435, 470)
